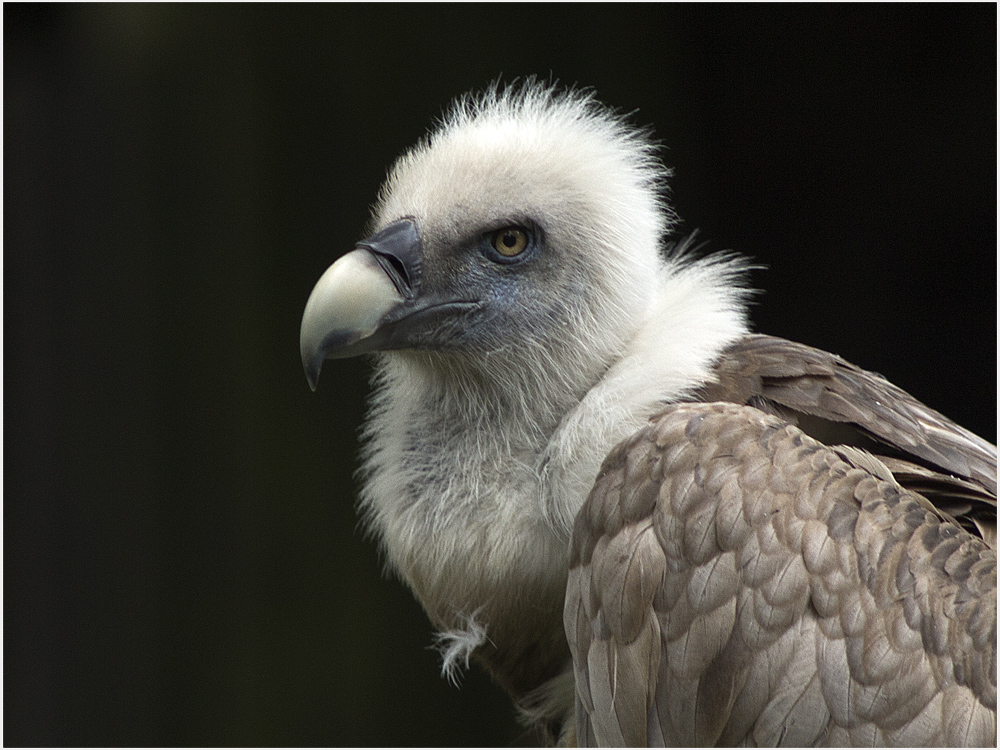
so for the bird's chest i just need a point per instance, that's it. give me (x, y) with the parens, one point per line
(467, 527)
(460, 519)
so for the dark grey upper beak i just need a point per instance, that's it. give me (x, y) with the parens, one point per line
(358, 294)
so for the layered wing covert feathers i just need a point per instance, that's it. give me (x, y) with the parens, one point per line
(799, 382)
(839, 403)
(735, 582)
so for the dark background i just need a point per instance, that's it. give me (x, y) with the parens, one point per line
(181, 555)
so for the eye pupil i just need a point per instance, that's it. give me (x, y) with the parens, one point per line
(510, 242)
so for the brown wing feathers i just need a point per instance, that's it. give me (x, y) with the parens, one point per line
(821, 391)
(784, 595)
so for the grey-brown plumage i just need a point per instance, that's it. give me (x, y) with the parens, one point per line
(734, 581)
(839, 403)
(768, 372)
(783, 548)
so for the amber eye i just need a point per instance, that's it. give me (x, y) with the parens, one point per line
(510, 242)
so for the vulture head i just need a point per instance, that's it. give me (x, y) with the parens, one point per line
(526, 316)
(518, 245)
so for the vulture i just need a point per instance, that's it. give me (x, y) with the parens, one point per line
(649, 524)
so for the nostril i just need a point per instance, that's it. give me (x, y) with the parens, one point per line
(397, 264)
(396, 270)
(397, 250)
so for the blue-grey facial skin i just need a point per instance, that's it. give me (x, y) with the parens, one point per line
(527, 291)
(485, 289)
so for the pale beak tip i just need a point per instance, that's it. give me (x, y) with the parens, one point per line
(312, 375)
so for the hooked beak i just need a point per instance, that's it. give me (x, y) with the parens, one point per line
(357, 297)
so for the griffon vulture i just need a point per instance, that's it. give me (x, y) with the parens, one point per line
(649, 524)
